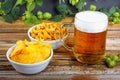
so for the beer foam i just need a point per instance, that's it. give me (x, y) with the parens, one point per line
(91, 21)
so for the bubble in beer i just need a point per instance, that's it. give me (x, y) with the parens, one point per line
(91, 21)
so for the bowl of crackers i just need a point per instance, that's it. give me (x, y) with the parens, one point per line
(48, 33)
(29, 57)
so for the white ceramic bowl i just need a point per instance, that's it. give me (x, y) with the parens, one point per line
(55, 43)
(28, 68)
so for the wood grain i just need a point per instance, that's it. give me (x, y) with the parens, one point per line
(63, 65)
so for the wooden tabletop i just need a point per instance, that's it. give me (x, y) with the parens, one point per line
(63, 65)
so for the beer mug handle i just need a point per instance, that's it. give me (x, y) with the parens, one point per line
(62, 40)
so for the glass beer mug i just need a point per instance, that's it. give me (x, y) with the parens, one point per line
(90, 28)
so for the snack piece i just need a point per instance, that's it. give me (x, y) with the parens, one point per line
(30, 52)
(19, 46)
(48, 31)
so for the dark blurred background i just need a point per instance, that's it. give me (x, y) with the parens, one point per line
(49, 5)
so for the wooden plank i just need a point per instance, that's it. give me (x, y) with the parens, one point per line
(14, 30)
(114, 47)
(74, 69)
(69, 69)
(63, 65)
(62, 77)
(114, 27)
(6, 36)
(111, 45)
(114, 34)
(12, 37)
(58, 60)
(17, 36)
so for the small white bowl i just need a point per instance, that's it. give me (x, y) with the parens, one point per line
(28, 68)
(55, 43)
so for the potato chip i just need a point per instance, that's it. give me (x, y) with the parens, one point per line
(30, 52)
(19, 46)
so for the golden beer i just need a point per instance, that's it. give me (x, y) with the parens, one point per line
(89, 47)
(90, 36)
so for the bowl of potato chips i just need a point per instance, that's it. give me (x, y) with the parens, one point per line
(48, 33)
(29, 57)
